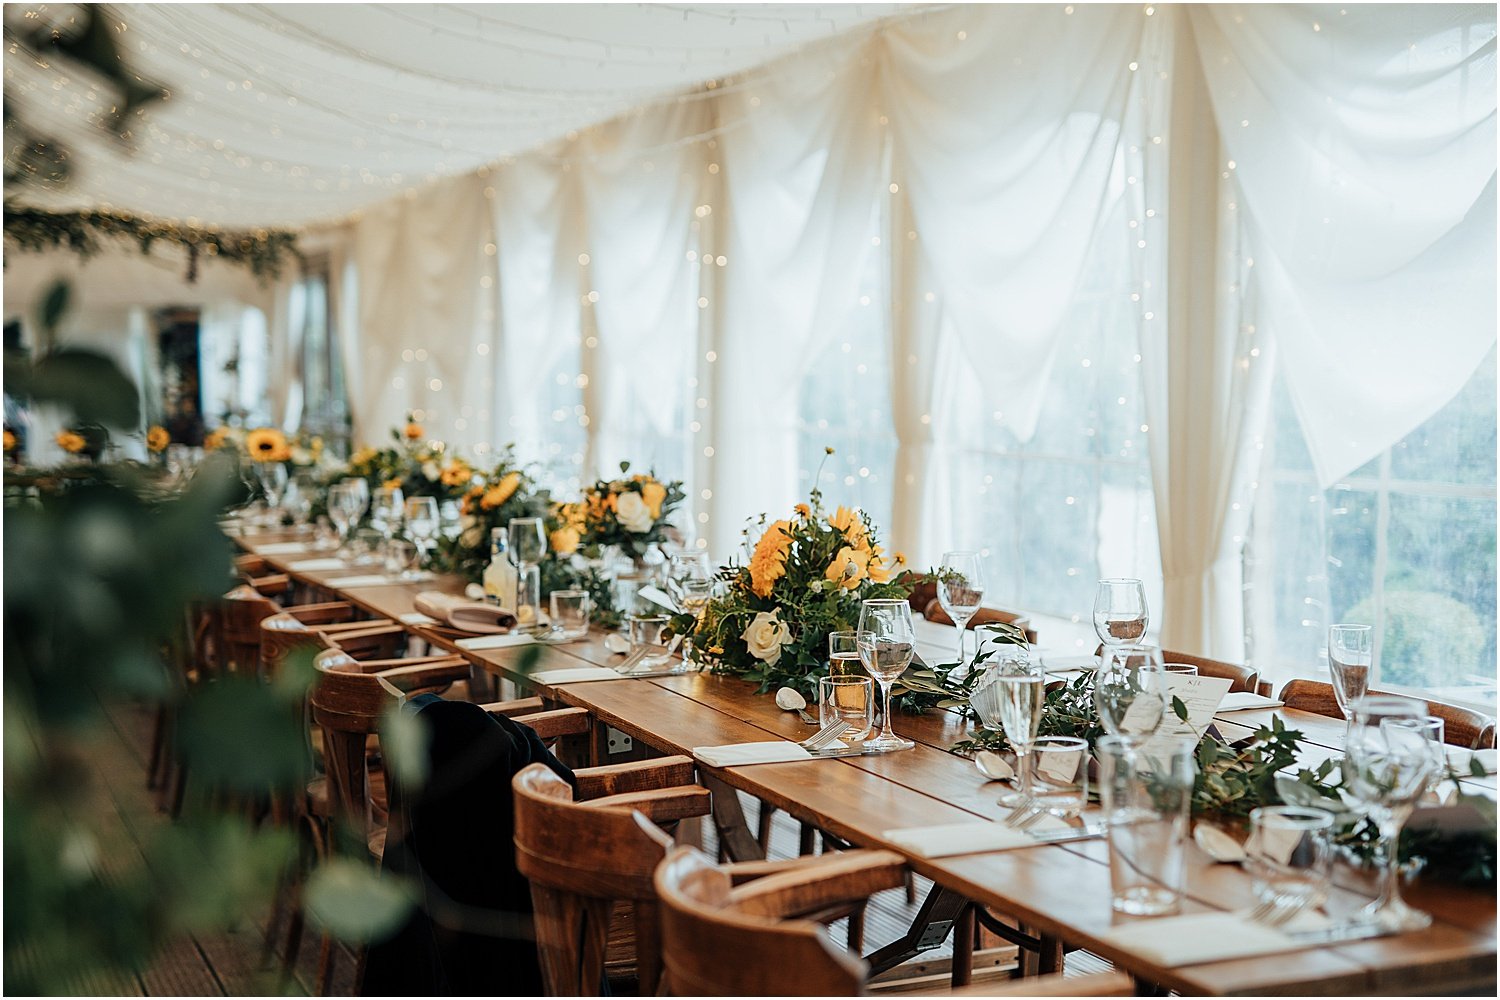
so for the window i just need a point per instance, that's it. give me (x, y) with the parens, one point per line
(325, 408)
(1406, 543)
(1054, 514)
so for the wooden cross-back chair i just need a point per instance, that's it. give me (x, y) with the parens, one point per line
(740, 930)
(1462, 727)
(584, 856)
(256, 572)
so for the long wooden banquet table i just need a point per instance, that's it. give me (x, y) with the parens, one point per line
(1061, 891)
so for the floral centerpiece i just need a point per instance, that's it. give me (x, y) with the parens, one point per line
(629, 513)
(807, 576)
(420, 466)
(492, 499)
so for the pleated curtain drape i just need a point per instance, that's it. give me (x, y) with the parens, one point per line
(1310, 191)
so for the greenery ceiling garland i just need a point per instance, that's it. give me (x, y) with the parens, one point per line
(34, 230)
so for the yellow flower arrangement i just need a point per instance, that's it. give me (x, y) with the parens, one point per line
(496, 495)
(456, 473)
(413, 431)
(768, 561)
(157, 439)
(565, 540)
(267, 444)
(71, 442)
(216, 439)
(628, 512)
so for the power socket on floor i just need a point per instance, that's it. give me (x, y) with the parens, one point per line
(618, 741)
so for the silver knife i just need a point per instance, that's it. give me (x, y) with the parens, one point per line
(1339, 932)
(1070, 834)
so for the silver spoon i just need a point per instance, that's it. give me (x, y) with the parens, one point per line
(993, 766)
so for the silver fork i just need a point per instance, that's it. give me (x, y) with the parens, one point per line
(825, 736)
(807, 717)
(1024, 811)
(1276, 911)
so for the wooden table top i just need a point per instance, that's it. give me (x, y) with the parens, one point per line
(1056, 889)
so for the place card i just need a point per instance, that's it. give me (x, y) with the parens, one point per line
(502, 641)
(313, 565)
(1246, 701)
(1201, 695)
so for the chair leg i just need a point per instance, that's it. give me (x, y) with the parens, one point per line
(806, 845)
(857, 930)
(963, 947)
(911, 889)
(763, 827)
(325, 966)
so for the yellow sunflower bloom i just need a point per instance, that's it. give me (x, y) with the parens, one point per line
(70, 442)
(456, 473)
(267, 444)
(851, 525)
(157, 439)
(848, 568)
(502, 491)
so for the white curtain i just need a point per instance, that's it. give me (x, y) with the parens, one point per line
(426, 287)
(801, 163)
(642, 179)
(1363, 139)
(1004, 123)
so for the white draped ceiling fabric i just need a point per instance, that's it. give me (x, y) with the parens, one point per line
(1313, 187)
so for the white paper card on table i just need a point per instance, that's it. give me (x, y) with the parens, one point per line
(574, 675)
(502, 641)
(1059, 766)
(312, 565)
(1201, 695)
(370, 580)
(281, 548)
(952, 839)
(1459, 758)
(660, 598)
(1246, 701)
(417, 618)
(1196, 938)
(741, 754)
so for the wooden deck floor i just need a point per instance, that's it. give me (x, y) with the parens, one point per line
(124, 812)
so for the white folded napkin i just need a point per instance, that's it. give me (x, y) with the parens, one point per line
(465, 615)
(949, 839)
(417, 618)
(573, 675)
(1245, 701)
(369, 580)
(1459, 757)
(309, 565)
(1196, 938)
(740, 754)
(501, 641)
(280, 548)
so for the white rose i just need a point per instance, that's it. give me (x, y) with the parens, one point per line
(633, 513)
(301, 456)
(431, 471)
(765, 636)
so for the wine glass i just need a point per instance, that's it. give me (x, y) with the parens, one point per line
(528, 541)
(688, 570)
(960, 589)
(886, 644)
(299, 498)
(1120, 615)
(422, 522)
(341, 505)
(1350, 655)
(1012, 693)
(1387, 767)
(1130, 690)
(359, 490)
(272, 477)
(388, 510)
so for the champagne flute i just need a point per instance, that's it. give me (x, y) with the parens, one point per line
(1120, 615)
(886, 644)
(1350, 656)
(272, 476)
(1130, 691)
(422, 522)
(1387, 767)
(960, 589)
(359, 490)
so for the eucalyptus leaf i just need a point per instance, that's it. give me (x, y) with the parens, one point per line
(355, 903)
(404, 740)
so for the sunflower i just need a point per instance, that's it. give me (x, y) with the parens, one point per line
(502, 491)
(10, 442)
(413, 431)
(267, 444)
(71, 442)
(157, 439)
(456, 473)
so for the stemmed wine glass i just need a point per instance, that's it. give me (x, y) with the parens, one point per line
(343, 504)
(1010, 696)
(528, 546)
(886, 644)
(1130, 691)
(272, 477)
(960, 589)
(387, 511)
(1388, 764)
(1350, 655)
(1120, 615)
(422, 522)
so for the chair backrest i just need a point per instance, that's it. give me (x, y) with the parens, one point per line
(1242, 678)
(984, 616)
(1462, 727)
(237, 617)
(581, 858)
